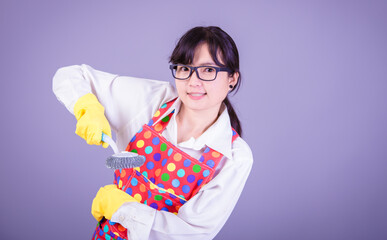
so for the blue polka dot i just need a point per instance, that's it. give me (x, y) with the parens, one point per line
(129, 191)
(233, 133)
(164, 105)
(170, 151)
(210, 163)
(157, 157)
(185, 189)
(169, 202)
(111, 223)
(161, 191)
(200, 181)
(152, 179)
(187, 163)
(175, 183)
(154, 205)
(149, 194)
(201, 159)
(134, 138)
(182, 201)
(150, 165)
(140, 130)
(206, 173)
(191, 178)
(145, 174)
(156, 141)
(148, 150)
(150, 122)
(180, 173)
(165, 209)
(164, 162)
(134, 182)
(207, 150)
(138, 173)
(101, 233)
(160, 185)
(172, 196)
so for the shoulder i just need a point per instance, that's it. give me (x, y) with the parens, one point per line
(241, 152)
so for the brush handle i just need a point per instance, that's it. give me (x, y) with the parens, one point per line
(109, 140)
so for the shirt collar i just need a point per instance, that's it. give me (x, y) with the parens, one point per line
(218, 136)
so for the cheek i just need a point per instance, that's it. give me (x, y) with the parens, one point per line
(180, 86)
(218, 91)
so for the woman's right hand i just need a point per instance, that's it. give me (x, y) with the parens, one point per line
(91, 120)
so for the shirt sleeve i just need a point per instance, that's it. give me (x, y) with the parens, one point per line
(124, 98)
(203, 215)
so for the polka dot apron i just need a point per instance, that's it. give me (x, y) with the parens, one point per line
(168, 178)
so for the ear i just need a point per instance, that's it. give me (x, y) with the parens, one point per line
(233, 79)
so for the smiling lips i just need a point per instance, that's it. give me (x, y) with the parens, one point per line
(196, 95)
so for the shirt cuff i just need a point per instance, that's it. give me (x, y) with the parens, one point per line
(137, 218)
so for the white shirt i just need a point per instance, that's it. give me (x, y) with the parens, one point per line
(130, 103)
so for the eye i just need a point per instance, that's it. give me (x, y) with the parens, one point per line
(183, 69)
(209, 69)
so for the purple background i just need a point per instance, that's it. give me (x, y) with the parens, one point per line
(312, 103)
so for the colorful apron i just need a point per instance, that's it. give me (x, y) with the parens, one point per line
(168, 178)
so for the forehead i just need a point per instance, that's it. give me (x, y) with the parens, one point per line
(203, 56)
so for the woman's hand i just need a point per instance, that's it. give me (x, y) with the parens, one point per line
(108, 200)
(91, 120)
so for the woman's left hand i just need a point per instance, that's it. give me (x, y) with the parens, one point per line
(108, 200)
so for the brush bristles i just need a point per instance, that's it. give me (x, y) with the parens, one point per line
(115, 162)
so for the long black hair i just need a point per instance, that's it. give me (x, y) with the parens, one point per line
(217, 40)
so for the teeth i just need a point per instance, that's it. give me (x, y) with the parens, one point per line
(196, 94)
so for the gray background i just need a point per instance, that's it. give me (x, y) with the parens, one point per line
(312, 104)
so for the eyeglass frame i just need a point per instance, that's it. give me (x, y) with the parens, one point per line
(193, 69)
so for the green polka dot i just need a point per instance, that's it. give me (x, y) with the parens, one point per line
(196, 168)
(165, 177)
(163, 147)
(158, 197)
(134, 150)
(166, 119)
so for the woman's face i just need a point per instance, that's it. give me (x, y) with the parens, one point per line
(205, 95)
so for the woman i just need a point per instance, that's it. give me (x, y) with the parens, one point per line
(196, 163)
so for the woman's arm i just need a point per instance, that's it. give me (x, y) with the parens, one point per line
(202, 216)
(124, 98)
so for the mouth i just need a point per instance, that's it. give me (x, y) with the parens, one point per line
(196, 94)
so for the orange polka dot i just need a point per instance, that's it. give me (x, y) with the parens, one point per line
(121, 228)
(215, 154)
(177, 157)
(177, 208)
(147, 134)
(142, 188)
(158, 127)
(123, 173)
(157, 172)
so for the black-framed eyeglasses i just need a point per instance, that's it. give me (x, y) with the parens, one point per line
(205, 73)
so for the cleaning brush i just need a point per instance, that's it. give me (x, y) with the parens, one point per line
(122, 159)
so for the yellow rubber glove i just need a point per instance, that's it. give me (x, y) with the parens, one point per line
(108, 200)
(91, 120)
